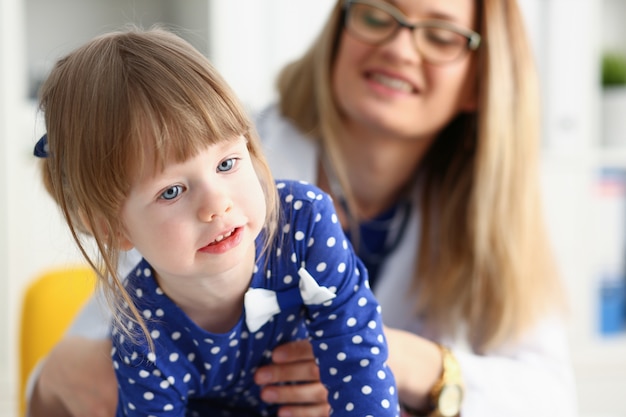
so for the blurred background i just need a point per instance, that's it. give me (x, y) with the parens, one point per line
(579, 47)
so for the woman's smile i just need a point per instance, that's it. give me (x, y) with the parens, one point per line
(393, 83)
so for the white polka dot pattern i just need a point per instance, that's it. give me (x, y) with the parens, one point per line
(194, 372)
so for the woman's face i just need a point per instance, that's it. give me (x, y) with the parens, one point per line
(390, 89)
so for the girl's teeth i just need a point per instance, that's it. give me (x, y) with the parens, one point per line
(222, 237)
(393, 83)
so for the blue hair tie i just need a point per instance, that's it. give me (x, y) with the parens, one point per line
(42, 149)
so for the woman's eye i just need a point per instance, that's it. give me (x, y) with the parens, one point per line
(443, 37)
(378, 20)
(226, 165)
(172, 192)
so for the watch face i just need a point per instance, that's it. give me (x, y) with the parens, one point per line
(450, 397)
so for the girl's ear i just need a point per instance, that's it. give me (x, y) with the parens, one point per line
(124, 243)
(104, 229)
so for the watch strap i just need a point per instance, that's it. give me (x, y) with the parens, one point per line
(450, 374)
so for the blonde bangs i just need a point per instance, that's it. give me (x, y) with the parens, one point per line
(180, 104)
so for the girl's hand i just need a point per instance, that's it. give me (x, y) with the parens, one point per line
(293, 381)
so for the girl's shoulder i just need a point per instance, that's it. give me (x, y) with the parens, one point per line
(136, 277)
(302, 203)
(294, 190)
(304, 197)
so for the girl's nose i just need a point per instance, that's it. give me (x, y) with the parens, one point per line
(214, 206)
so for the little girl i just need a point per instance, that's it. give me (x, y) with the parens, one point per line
(148, 148)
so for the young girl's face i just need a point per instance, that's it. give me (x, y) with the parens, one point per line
(199, 217)
(390, 88)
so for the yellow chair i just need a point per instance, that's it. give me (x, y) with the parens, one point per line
(49, 306)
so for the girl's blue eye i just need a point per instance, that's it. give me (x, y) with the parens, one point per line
(226, 165)
(172, 192)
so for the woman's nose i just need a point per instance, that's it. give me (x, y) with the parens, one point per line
(402, 46)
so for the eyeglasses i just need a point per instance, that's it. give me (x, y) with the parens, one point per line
(438, 42)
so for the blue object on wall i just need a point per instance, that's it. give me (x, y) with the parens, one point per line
(612, 306)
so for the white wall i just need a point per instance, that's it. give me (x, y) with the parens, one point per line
(613, 28)
(11, 48)
(249, 48)
(53, 28)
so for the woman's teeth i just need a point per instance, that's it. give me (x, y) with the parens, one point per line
(393, 83)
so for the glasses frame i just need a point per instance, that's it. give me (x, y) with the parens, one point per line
(473, 38)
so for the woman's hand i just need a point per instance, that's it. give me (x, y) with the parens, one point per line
(416, 364)
(76, 380)
(293, 381)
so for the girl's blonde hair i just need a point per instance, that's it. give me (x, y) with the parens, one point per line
(484, 262)
(124, 101)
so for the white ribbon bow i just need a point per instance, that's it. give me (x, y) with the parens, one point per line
(262, 304)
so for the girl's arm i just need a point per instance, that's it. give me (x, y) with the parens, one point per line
(346, 332)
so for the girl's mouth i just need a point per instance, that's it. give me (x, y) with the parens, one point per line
(225, 242)
(222, 237)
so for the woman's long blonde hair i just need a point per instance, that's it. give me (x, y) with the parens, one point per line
(124, 100)
(484, 262)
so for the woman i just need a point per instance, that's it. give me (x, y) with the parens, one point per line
(421, 119)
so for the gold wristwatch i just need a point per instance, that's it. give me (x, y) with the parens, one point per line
(446, 395)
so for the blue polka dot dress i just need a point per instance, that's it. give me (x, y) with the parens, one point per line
(193, 372)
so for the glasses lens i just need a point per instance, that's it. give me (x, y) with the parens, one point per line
(370, 23)
(439, 45)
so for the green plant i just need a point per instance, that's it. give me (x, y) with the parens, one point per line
(613, 69)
